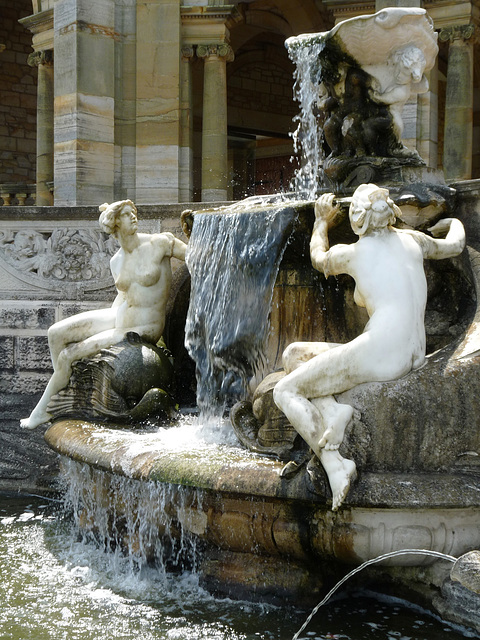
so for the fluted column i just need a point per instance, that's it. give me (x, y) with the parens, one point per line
(457, 150)
(185, 164)
(45, 97)
(214, 129)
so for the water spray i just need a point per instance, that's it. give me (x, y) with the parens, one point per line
(385, 556)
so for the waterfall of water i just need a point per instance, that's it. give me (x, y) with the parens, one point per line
(233, 258)
(308, 136)
(149, 522)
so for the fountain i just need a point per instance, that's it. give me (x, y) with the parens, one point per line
(258, 520)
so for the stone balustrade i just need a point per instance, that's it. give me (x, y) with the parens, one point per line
(17, 194)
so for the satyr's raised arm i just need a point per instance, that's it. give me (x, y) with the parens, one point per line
(325, 213)
(452, 244)
(330, 261)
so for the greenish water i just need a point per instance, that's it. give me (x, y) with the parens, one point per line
(55, 587)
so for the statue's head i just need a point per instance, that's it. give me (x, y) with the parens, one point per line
(110, 214)
(371, 208)
(409, 63)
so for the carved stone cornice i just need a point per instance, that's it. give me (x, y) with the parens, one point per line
(206, 24)
(38, 22)
(222, 50)
(463, 32)
(40, 26)
(37, 58)
(344, 9)
(229, 14)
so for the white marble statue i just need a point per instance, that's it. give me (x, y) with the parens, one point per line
(394, 82)
(142, 273)
(387, 266)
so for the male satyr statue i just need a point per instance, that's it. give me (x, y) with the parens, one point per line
(387, 266)
(142, 274)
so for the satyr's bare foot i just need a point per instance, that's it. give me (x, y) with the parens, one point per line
(34, 420)
(340, 482)
(337, 421)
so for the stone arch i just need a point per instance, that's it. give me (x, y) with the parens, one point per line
(260, 93)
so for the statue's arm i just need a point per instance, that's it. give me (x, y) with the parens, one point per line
(177, 248)
(328, 261)
(399, 93)
(115, 265)
(452, 244)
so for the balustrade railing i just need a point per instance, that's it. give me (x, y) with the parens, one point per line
(17, 194)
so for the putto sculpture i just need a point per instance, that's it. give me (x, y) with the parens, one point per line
(387, 266)
(365, 70)
(142, 273)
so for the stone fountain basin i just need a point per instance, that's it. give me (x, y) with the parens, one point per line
(238, 501)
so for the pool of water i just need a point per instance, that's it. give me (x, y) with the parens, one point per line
(53, 586)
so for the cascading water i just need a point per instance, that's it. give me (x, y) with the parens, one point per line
(233, 258)
(143, 520)
(308, 136)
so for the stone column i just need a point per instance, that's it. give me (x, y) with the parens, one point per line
(157, 100)
(185, 158)
(214, 129)
(427, 121)
(457, 150)
(44, 61)
(84, 34)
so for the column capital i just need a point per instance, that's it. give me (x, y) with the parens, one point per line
(463, 32)
(187, 51)
(222, 50)
(37, 58)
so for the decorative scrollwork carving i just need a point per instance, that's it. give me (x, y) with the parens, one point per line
(68, 255)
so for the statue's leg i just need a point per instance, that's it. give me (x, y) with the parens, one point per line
(306, 397)
(63, 369)
(297, 353)
(78, 328)
(336, 417)
(305, 416)
(341, 472)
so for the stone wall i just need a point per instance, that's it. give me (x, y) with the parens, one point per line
(18, 96)
(54, 262)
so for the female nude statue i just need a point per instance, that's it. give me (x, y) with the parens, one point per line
(387, 266)
(142, 274)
